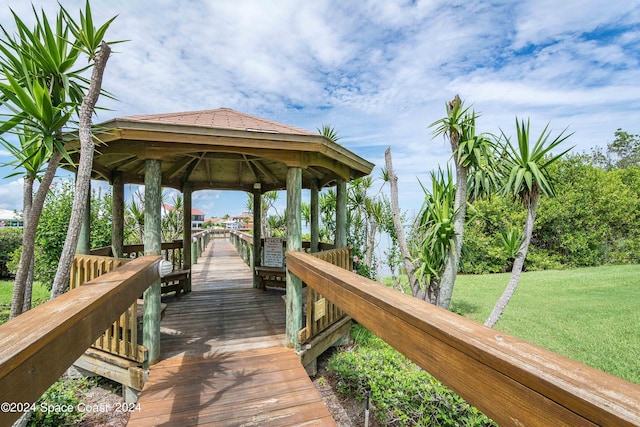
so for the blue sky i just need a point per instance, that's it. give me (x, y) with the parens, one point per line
(378, 71)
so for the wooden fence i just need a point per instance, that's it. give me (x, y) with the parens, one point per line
(121, 338)
(513, 382)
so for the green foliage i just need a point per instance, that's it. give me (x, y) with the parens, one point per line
(401, 393)
(173, 221)
(594, 220)
(526, 167)
(52, 230)
(10, 240)
(433, 234)
(40, 86)
(622, 153)
(134, 219)
(54, 222)
(101, 205)
(59, 404)
(488, 218)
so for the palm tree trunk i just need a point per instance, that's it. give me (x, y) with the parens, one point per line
(518, 263)
(61, 280)
(371, 240)
(27, 202)
(397, 224)
(29, 236)
(453, 254)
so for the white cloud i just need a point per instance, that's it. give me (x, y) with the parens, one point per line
(380, 72)
(11, 195)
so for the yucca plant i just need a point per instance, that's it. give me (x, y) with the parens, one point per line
(42, 88)
(526, 171)
(473, 158)
(511, 240)
(436, 231)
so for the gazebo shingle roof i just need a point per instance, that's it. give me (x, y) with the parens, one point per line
(221, 118)
(219, 149)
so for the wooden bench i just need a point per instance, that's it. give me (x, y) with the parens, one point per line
(174, 281)
(275, 277)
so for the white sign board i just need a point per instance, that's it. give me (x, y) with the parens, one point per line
(273, 255)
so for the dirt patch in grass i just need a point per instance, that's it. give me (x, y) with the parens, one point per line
(104, 405)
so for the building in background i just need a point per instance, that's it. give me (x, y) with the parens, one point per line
(10, 219)
(197, 216)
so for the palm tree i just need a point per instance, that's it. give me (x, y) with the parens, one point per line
(434, 236)
(31, 157)
(135, 216)
(527, 176)
(42, 91)
(89, 40)
(472, 155)
(329, 132)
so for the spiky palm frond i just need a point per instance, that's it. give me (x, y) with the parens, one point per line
(526, 166)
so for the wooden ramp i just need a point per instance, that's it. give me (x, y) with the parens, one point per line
(223, 359)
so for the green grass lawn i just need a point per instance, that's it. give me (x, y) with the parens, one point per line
(591, 315)
(40, 295)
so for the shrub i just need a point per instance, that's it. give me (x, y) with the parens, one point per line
(541, 259)
(402, 394)
(54, 223)
(62, 394)
(10, 240)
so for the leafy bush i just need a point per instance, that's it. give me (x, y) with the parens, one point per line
(402, 394)
(54, 223)
(10, 240)
(593, 220)
(541, 259)
(59, 404)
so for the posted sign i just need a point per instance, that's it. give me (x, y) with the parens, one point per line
(273, 255)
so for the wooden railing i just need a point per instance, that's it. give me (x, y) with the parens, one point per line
(322, 313)
(244, 245)
(511, 381)
(121, 338)
(171, 251)
(219, 233)
(39, 345)
(199, 242)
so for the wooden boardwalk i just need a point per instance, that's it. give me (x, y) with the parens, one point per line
(223, 359)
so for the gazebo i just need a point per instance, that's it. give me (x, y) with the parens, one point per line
(220, 149)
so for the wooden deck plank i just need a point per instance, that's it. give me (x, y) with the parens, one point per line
(223, 359)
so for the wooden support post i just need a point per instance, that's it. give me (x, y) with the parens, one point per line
(341, 214)
(294, 244)
(186, 235)
(84, 239)
(152, 246)
(314, 223)
(117, 215)
(257, 229)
